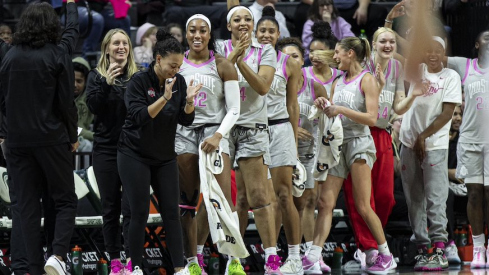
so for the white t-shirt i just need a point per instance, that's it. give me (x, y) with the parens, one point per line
(445, 86)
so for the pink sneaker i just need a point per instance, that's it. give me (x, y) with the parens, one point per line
(128, 268)
(310, 267)
(200, 257)
(324, 267)
(479, 260)
(383, 264)
(272, 267)
(116, 267)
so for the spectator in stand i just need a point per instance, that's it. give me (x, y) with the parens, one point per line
(6, 33)
(85, 117)
(104, 17)
(176, 31)
(324, 10)
(257, 9)
(179, 11)
(146, 37)
(362, 15)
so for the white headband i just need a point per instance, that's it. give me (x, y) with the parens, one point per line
(233, 10)
(199, 16)
(440, 40)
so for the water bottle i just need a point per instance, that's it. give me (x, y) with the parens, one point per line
(102, 268)
(463, 237)
(214, 264)
(337, 257)
(362, 34)
(76, 261)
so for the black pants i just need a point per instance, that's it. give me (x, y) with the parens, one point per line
(109, 184)
(136, 178)
(216, 14)
(375, 19)
(44, 169)
(18, 257)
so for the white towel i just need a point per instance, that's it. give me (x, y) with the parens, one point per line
(329, 141)
(223, 223)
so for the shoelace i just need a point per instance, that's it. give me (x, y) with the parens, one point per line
(275, 262)
(420, 257)
(378, 259)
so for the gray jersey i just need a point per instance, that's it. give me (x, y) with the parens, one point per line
(306, 97)
(327, 85)
(394, 81)
(350, 95)
(209, 102)
(276, 97)
(253, 106)
(475, 83)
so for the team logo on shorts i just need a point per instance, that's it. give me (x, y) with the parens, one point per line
(151, 92)
(322, 167)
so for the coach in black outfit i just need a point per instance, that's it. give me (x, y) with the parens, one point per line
(146, 152)
(37, 83)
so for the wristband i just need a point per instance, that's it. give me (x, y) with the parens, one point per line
(190, 103)
(166, 98)
(389, 21)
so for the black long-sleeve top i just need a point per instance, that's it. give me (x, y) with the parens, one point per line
(36, 91)
(152, 140)
(106, 102)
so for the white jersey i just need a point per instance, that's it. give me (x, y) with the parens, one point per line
(277, 96)
(394, 81)
(253, 106)
(445, 86)
(306, 97)
(475, 83)
(327, 85)
(350, 95)
(210, 105)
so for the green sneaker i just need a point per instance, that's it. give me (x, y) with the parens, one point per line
(235, 268)
(194, 269)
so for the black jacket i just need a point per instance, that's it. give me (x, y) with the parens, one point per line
(152, 140)
(36, 91)
(106, 102)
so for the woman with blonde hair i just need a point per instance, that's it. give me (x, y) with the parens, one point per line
(106, 87)
(389, 75)
(355, 95)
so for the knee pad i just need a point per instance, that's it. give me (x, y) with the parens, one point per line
(188, 205)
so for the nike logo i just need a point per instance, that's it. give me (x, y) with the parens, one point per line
(432, 165)
(234, 113)
(386, 265)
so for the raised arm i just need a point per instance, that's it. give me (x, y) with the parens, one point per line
(70, 34)
(262, 80)
(232, 3)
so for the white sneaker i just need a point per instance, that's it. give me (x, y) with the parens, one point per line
(137, 271)
(357, 265)
(292, 266)
(310, 267)
(55, 266)
(181, 272)
(479, 260)
(451, 252)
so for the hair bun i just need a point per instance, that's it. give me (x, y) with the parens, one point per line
(321, 30)
(162, 34)
(268, 11)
